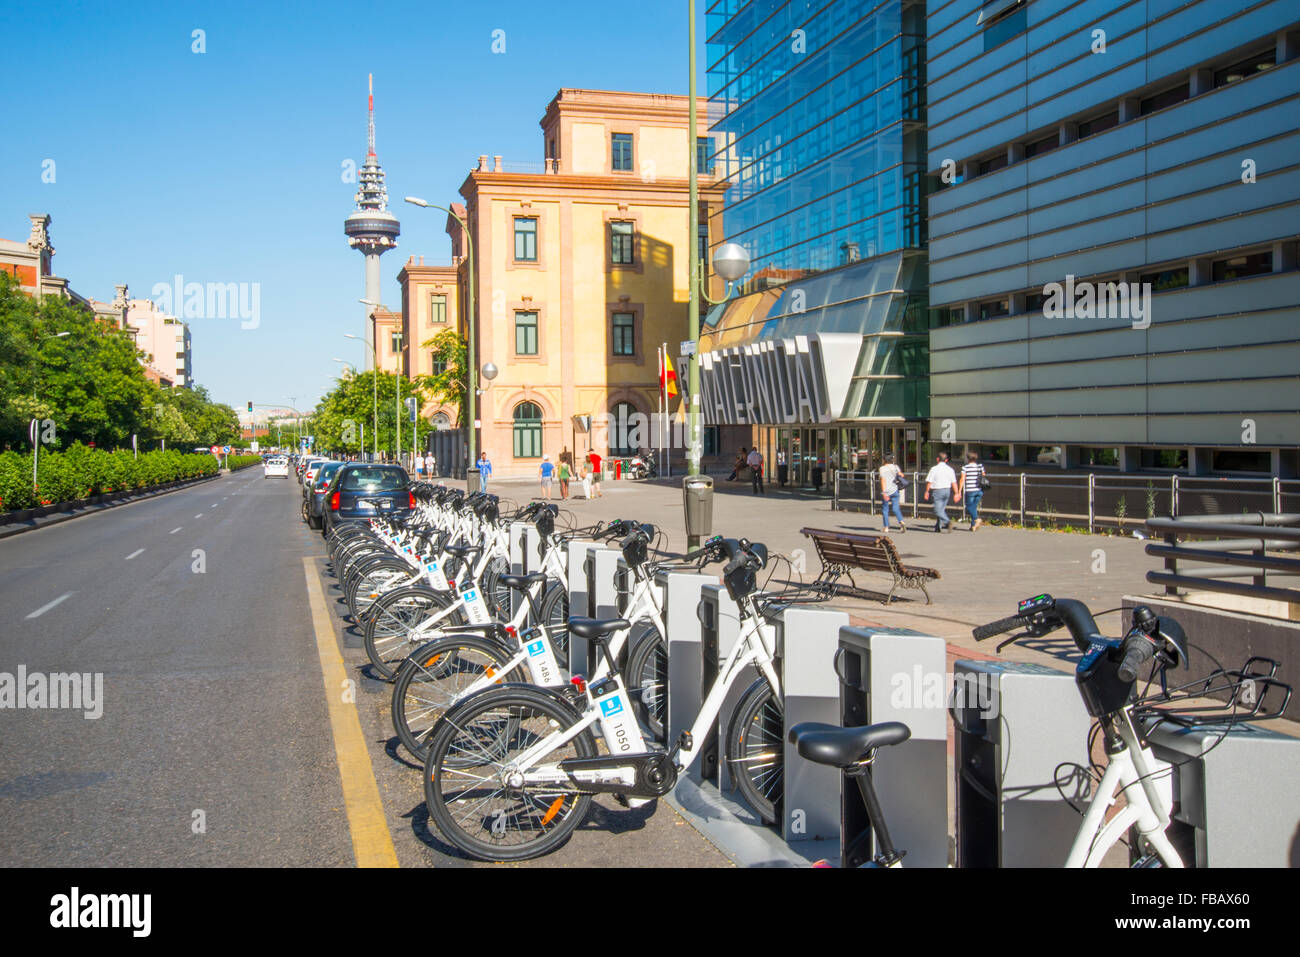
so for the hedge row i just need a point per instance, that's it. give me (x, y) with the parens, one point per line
(80, 472)
(236, 462)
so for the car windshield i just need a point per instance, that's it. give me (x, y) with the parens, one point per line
(374, 480)
(327, 470)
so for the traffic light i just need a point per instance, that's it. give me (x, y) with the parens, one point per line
(250, 406)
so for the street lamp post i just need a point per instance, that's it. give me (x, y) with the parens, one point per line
(471, 371)
(375, 363)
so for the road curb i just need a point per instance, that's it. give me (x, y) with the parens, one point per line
(126, 498)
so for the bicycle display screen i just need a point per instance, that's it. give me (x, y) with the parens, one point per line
(1034, 605)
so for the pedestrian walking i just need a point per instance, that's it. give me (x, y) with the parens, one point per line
(755, 462)
(419, 467)
(547, 471)
(586, 481)
(971, 487)
(940, 485)
(430, 463)
(484, 471)
(782, 469)
(741, 457)
(891, 491)
(594, 491)
(564, 477)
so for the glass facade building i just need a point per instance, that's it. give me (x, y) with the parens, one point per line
(818, 129)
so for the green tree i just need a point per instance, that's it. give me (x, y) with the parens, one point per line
(345, 416)
(451, 355)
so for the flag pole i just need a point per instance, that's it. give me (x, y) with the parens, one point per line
(668, 445)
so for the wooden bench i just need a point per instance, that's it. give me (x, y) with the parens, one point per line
(842, 553)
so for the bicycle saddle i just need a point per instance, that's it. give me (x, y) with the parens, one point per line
(521, 582)
(593, 629)
(463, 551)
(842, 747)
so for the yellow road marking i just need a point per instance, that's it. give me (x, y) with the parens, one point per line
(371, 842)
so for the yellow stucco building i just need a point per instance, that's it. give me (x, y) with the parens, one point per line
(581, 273)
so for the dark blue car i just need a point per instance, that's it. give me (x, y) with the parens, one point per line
(358, 492)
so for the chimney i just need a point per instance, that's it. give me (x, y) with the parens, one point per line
(496, 164)
(482, 163)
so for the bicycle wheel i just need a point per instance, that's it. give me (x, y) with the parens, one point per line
(496, 594)
(389, 628)
(435, 677)
(555, 617)
(464, 776)
(647, 678)
(372, 581)
(756, 750)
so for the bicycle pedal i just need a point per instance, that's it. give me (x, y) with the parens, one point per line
(622, 799)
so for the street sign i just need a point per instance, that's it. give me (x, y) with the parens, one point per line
(253, 446)
(688, 348)
(215, 450)
(225, 450)
(410, 406)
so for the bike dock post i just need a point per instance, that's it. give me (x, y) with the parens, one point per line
(720, 628)
(806, 642)
(895, 674)
(681, 591)
(604, 595)
(580, 598)
(532, 557)
(518, 560)
(1015, 725)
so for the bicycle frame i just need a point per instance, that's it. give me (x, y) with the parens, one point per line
(755, 645)
(1147, 807)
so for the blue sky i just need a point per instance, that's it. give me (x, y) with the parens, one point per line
(225, 166)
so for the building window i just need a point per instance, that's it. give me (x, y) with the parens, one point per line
(704, 154)
(1160, 100)
(992, 164)
(525, 333)
(1175, 459)
(1006, 20)
(1239, 267)
(525, 239)
(1241, 460)
(624, 334)
(1034, 302)
(395, 340)
(439, 365)
(622, 239)
(1166, 279)
(624, 434)
(994, 308)
(1098, 124)
(550, 147)
(437, 309)
(704, 245)
(528, 431)
(621, 152)
(1257, 63)
(1046, 144)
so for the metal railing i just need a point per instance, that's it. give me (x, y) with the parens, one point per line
(1243, 546)
(1091, 500)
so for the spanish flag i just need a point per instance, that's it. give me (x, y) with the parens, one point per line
(667, 377)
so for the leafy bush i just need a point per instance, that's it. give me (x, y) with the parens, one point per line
(236, 462)
(81, 472)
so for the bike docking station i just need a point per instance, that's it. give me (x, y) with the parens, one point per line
(605, 604)
(681, 592)
(896, 674)
(582, 602)
(701, 634)
(1234, 793)
(1015, 723)
(518, 559)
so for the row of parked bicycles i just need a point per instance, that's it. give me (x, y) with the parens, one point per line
(515, 745)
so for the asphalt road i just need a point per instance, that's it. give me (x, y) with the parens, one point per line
(215, 744)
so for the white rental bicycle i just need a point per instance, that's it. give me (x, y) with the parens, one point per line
(1106, 676)
(511, 771)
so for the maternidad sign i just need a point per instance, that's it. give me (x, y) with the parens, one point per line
(803, 379)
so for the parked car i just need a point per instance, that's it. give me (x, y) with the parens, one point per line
(313, 494)
(276, 465)
(358, 492)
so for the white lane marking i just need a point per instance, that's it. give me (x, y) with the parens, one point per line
(133, 554)
(176, 529)
(200, 515)
(215, 504)
(44, 608)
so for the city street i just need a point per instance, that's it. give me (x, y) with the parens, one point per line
(215, 746)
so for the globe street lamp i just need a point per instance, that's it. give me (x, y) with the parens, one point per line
(375, 380)
(471, 387)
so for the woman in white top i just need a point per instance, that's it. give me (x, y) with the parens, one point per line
(891, 492)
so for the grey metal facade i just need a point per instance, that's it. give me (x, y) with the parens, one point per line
(1123, 156)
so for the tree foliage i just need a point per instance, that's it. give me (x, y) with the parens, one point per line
(451, 354)
(90, 383)
(345, 417)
